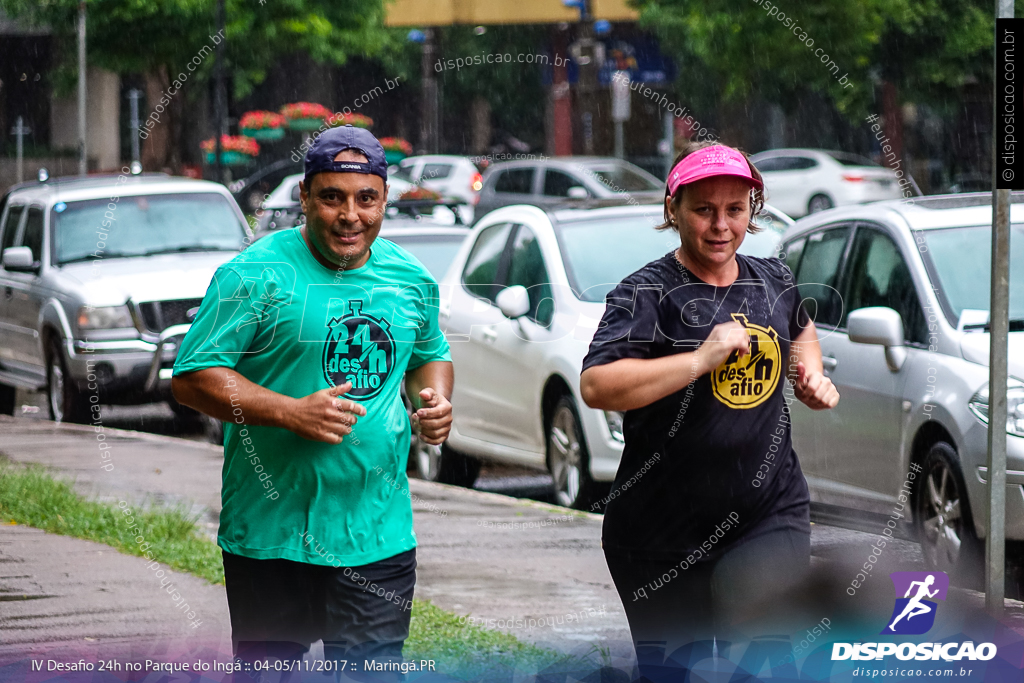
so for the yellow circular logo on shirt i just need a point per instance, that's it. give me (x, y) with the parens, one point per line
(747, 381)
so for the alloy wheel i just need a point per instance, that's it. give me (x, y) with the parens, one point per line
(56, 390)
(566, 456)
(942, 518)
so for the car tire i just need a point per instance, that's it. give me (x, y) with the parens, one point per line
(425, 458)
(456, 468)
(65, 402)
(7, 399)
(819, 202)
(942, 515)
(213, 429)
(567, 455)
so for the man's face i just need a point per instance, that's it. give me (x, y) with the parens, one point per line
(344, 212)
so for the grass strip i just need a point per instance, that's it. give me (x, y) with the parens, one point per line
(31, 496)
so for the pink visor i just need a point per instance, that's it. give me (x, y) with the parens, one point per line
(708, 162)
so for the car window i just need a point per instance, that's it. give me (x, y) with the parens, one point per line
(879, 276)
(621, 178)
(32, 236)
(482, 275)
(435, 171)
(818, 275)
(402, 173)
(145, 225)
(557, 184)
(801, 163)
(847, 159)
(770, 164)
(11, 227)
(793, 251)
(515, 180)
(526, 268)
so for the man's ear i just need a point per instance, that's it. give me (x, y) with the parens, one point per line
(303, 194)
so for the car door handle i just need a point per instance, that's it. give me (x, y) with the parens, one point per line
(829, 363)
(490, 334)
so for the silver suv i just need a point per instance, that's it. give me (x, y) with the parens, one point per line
(900, 295)
(99, 279)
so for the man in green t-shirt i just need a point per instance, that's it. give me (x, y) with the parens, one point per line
(300, 346)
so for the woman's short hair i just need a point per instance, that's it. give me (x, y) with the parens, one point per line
(756, 195)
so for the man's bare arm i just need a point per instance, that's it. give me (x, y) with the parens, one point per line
(225, 394)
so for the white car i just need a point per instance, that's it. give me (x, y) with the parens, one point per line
(520, 305)
(451, 176)
(803, 181)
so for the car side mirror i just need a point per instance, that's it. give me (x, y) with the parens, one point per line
(577, 192)
(295, 194)
(881, 326)
(19, 259)
(514, 302)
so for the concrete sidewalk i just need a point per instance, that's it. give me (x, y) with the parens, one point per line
(489, 557)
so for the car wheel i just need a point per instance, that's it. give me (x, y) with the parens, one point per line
(457, 469)
(213, 429)
(65, 401)
(943, 514)
(819, 202)
(568, 459)
(425, 458)
(7, 399)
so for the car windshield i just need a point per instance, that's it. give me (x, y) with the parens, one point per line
(622, 178)
(401, 172)
(435, 252)
(962, 257)
(599, 253)
(847, 159)
(144, 225)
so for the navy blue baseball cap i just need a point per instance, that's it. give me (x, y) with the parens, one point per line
(328, 144)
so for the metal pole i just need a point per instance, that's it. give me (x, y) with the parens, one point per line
(429, 133)
(999, 329)
(220, 104)
(670, 153)
(19, 132)
(620, 152)
(82, 164)
(133, 97)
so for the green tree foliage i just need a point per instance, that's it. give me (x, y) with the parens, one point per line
(732, 49)
(147, 36)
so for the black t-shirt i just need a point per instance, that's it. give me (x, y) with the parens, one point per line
(713, 462)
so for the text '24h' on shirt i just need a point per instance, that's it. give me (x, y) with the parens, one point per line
(713, 436)
(288, 323)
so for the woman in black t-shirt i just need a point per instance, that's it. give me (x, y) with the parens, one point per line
(709, 513)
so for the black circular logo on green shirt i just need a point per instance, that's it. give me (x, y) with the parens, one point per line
(359, 349)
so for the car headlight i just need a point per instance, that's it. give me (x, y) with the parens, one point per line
(614, 420)
(1014, 407)
(104, 317)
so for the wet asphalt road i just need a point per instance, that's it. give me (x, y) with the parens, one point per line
(828, 538)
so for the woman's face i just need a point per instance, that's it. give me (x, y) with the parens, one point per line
(712, 216)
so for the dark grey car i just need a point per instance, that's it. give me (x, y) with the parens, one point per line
(549, 182)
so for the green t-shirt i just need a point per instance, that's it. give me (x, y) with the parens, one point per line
(287, 323)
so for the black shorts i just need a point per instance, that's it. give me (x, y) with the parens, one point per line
(280, 607)
(669, 607)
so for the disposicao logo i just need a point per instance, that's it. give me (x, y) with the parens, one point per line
(914, 614)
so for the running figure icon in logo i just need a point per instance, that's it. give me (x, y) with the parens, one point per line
(358, 349)
(908, 607)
